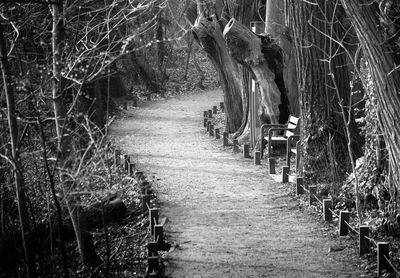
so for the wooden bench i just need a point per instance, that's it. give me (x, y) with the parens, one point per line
(287, 130)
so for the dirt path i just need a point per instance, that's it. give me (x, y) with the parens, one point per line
(229, 218)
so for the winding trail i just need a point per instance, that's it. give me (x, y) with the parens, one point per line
(228, 217)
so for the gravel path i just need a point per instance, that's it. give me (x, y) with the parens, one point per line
(228, 217)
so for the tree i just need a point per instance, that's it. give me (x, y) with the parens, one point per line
(377, 26)
(324, 85)
(15, 161)
(207, 31)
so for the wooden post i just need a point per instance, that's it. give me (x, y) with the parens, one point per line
(364, 244)
(257, 158)
(271, 163)
(152, 249)
(313, 192)
(298, 153)
(117, 158)
(214, 109)
(225, 139)
(327, 209)
(205, 121)
(208, 125)
(210, 114)
(159, 234)
(131, 169)
(246, 151)
(152, 264)
(153, 215)
(145, 203)
(205, 114)
(235, 145)
(127, 159)
(211, 131)
(217, 135)
(344, 218)
(299, 186)
(285, 174)
(221, 105)
(383, 257)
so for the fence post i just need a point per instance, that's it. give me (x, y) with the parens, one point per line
(153, 214)
(152, 264)
(327, 209)
(383, 257)
(131, 169)
(299, 186)
(214, 109)
(217, 135)
(210, 114)
(271, 163)
(117, 158)
(211, 131)
(285, 174)
(159, 234)
(152, 249)
(246, 151)
(364, 243)
(344, 218)
(257, 158)
(127, 159)
(313, 192)
(145, 203)
(225, 139)
(235, 145)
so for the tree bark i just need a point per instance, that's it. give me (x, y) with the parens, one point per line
(208, 34)
(322, 127)
(9, 90)
(369, 21)
(264, 60)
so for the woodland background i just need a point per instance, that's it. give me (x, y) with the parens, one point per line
(66, 65)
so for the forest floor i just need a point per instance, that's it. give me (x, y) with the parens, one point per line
(227, 217)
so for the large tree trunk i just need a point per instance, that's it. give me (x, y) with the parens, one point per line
(322, 127)
(377, 30)
(264, 59)
(208, 34)
(9, 90)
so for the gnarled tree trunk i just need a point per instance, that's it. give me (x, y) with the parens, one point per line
(208, 34)
(263, 58)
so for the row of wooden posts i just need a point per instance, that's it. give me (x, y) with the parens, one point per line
(212, 131)
(156, 227)
(365, 242)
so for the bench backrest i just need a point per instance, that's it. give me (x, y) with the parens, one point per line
(292, 125)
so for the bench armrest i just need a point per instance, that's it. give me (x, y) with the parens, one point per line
(277, 129)
(265, 127)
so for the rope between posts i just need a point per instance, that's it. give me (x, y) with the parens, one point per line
(318, 199)
(352, 228)
(392, 266)
(305, 189)
(334, 213)
(372, 241)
